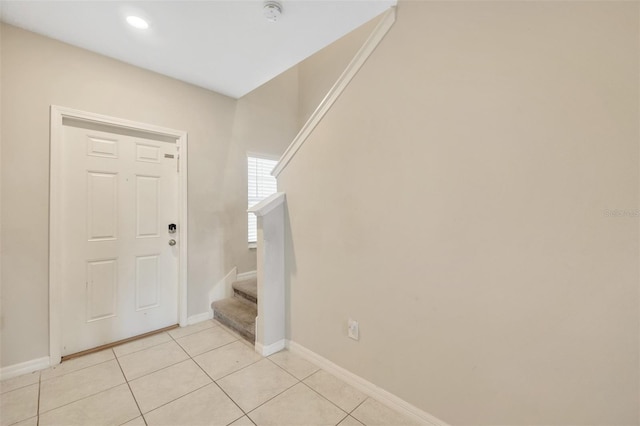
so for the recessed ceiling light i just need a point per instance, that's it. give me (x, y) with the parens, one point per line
(137, 22)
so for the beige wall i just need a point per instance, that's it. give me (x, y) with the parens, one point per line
(319, 72)
(37, 72)
(265, 123)
(453, 201)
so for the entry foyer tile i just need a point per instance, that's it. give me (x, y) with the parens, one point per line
(374, 413)
(79, 384)
(297, 406)
(18, 405)
(76, 364)
(335, 390)
(151, 359)
(33, 421)
(138, 421)
(350, 421)
(294, 364)
(206, 406)
(227, 359)
(256, 384)
(156, 389)
(243, 421)
(203, 341)
(19, 382)
(112, 407)
(177, 333)
(140, 344)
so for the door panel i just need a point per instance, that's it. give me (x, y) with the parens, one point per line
(102, 198)
(102, 285)
(147, 206)
(147, 281)
(119, 274)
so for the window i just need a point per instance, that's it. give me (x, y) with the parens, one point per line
(261, 185)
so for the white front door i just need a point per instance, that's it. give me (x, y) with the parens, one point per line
(119, 273)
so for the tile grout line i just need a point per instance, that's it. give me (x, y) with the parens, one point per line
(79, 399)
(38, 405)
(154, 371)
(214, 349)
(211, 378)
(348, 412)
(159, 369)
(154, 345)
(342, 419)
(233, 372)
(280, 393)
(142, 349)
(275, 396)
(129, 386)
(21, 387)
(198, 365)
(241, 339)
(190, 357)
(325, 398)
(83, 398)
(174, 400)
(358, 406)
(190, 334)
(244, 415)
(75, 371)
(115, 358)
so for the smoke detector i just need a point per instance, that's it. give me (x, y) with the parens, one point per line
(272, 11)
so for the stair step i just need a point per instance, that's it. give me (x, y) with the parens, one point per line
(237, 315)
(247, 289)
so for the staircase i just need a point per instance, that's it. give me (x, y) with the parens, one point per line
(239, 312)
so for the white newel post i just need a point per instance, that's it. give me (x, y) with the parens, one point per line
(270, 323)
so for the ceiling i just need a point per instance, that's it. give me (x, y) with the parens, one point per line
(227, 46)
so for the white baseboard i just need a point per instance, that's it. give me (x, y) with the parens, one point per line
(24, 368)
(246, 276)
(365, 386)
(194, 319)
(272, 348)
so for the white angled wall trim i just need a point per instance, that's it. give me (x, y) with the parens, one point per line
(243, 276)
(343, 81)
(223, 288)
(266, 350)
(387, 398)
(26, 367)
(194, 319)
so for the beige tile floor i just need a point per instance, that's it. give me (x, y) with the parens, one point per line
(203, 374)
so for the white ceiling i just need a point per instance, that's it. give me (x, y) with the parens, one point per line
(224, 45)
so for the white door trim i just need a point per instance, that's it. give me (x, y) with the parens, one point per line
(59, 113)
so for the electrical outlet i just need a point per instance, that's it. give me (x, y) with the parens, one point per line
(353, 329)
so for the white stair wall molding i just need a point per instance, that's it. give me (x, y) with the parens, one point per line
(392, 401)
(383, 27)
(244, 276)
(223, 288)
(270, 323)
(26, 367)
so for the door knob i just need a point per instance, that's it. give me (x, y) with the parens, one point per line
(172, 242)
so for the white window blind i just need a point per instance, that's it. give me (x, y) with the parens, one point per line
(261, 185)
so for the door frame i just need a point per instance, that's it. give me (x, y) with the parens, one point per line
(58, 114)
